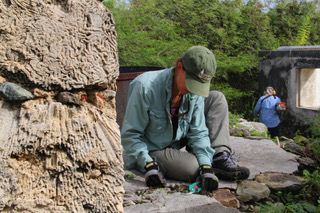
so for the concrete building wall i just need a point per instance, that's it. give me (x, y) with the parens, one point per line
(295, 75)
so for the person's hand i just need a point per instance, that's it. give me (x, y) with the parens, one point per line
(208, 179)
(154, 177)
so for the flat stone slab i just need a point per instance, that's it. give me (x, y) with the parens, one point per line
(281, 182)
(260, 156)
(160, 200)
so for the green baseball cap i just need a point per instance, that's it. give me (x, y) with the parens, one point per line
(200, 66)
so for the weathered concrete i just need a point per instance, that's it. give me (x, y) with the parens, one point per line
(260, 156)
(281, 69)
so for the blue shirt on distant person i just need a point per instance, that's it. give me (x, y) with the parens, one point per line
(267, 108)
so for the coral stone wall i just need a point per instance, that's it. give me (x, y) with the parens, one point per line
(60, 151)
(58, 44)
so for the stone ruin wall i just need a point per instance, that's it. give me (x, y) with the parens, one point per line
(59, 154)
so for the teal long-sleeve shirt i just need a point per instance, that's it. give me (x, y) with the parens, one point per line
(147, 124)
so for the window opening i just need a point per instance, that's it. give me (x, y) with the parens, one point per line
(308, 88)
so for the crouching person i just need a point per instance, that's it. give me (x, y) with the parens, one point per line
(165, 112)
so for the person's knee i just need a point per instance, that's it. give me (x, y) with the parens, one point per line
(191, 171)
(177, 165)
(186, 170)
(217, 95)
(216, 98)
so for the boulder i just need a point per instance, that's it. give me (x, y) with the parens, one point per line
(240, 132)
(281, 182)
(250, 191)
(253, 126)
(226, 198)
(244, 129)
(306, 163)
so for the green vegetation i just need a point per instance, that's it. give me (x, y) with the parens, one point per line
(156, 32)
(308, 200)
(234, 119)
(129, 176)
(260, 134)
(287, 202)
(313, 183)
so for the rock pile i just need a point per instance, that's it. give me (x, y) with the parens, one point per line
(272, 169)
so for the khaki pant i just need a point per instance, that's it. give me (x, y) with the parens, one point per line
(182, 165)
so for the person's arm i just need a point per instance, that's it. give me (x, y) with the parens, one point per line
(198, 140)
(135, 121)
(278, 99)
(198, 135)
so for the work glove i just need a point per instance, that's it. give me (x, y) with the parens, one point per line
(208, 179)
(154, 177)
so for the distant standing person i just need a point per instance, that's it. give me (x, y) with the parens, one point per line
(267, 108)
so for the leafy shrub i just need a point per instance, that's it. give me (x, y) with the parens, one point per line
(314, 130)
(292, 203)
(313, 183)
(314, 125)
(259, 134)
(234, 119)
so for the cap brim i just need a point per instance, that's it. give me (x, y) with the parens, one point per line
(197, 87)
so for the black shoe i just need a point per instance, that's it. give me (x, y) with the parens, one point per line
(225, 168)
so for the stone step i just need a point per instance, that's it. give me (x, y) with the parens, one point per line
(162, 201)
(260, 156)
